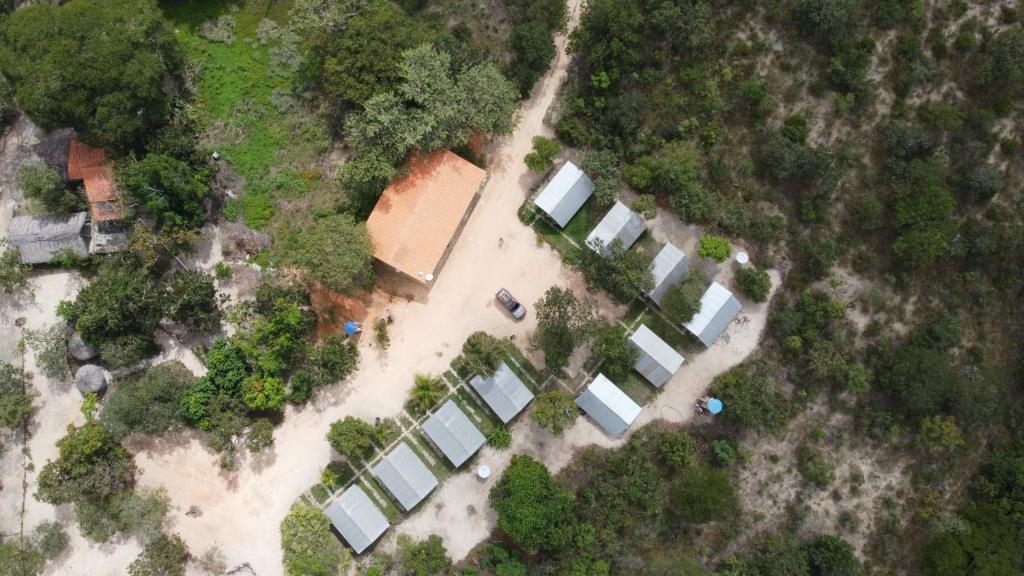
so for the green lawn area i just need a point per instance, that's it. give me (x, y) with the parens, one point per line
(637, 388)
(243, 103)
(320, 493)
(683, 342)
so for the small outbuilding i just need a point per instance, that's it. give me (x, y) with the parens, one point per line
(565, 194)
(668, 268)
(608, 405)
(620, 223)
(718, 307)
(657, 361)
(504, 392)
(357, 518)
(405, 476)
(452, 432)
(39, 238)
(90, 378)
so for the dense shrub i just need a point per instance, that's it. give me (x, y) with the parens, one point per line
(147, 403)
(703, 494)
(532, 509)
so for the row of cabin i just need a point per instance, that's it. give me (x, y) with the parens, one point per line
(404, 474)
(101, 230)
(567, 192)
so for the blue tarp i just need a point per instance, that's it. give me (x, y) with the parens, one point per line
(714, 405)
(351, 328)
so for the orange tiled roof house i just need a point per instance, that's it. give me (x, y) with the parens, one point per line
(419, 216)
(109, 213)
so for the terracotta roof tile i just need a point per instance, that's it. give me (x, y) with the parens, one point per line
(418, 215)
(90, 165)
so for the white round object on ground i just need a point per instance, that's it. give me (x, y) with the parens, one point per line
(742, 257)
(430, 277)
(484, 471)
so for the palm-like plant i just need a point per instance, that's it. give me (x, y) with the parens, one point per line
(427, 392)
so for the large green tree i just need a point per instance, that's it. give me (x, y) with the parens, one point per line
(337, 251)
(147, 403)
(171, 190)
(563, 322)
(532, 509)
(308, 545)
(95, 65)
(91, 466)
(15, 403)
(122, 307)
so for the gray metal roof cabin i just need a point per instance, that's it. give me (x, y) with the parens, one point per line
(620, 223)
(38, 238)
(405, 476)
(357, 518)
(451, 430)
(657, 361)
(668, 268)
(504, 392)
(718, 307)
(608, 405)
(565, 194)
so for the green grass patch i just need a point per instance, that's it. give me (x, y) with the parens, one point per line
(526, 371)
(320, 493)
(684, 343)
(637, 388)
(382, 498)
(343, 472)
(431, 456)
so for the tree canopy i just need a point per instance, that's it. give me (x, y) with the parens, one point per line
(337, 251)
(308, 545)
(104, 77)
(532, 509)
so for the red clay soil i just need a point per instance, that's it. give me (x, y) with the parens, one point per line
(333, 309)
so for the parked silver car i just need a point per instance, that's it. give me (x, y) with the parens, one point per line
(517, 310)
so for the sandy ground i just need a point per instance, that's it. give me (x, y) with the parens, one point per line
(241, 510)
(57, 405)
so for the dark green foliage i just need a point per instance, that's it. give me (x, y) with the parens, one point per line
(563, 323)
(625, 274)
(682, 300)
(351, 437)
(164, 556)
(997, 72)
(362, 61)
(619, 355)
(828, 21)
(260, 436)
(91, 466)
(333, 359)
(753, 283)
(602, 167)
(543, 153)
(532, 509)
(482, 353)
(336, 250)
(147, 403)
(704, 494)
(192, 301)
(795, 129)
(363, 179)
(307, 543)
(40, 182)
(814, 467)
(676, 449)
(674, 171)
(501, 438)
(422, 557)
(555, 411)
(15, 402)
(922, 380)
(104, 78)
(171, 190)
(50, 538)
(119, 311)
(13, 274)
(830, 555)
(531, 41)
(503, 562)
(781, 555)
(19, 557)
(922, 210)
(752, 397)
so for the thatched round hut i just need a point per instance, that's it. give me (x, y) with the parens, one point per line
(80, 349)
(90, 378)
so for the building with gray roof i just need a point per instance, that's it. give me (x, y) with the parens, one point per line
(357, 518)
(565, 194)
(39, 238)
(608, 405)
(504, 392)
(405, 476)
(668, 268)
(657, 361)
(620, 223)
(452, 432)
(718, 307)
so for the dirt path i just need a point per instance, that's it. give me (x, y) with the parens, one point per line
(241, 511)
